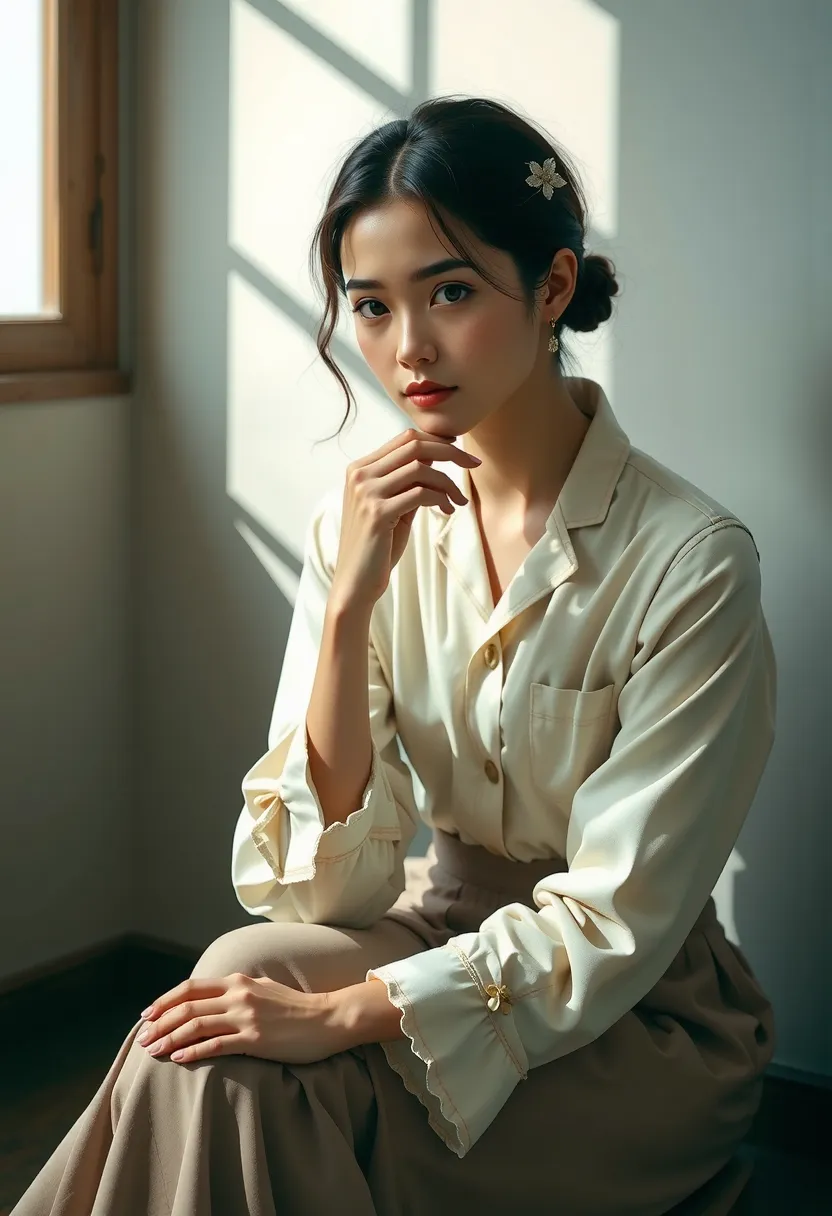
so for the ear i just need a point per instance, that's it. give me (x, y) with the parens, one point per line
(560, 285)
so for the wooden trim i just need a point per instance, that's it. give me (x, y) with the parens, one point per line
(134, 969)
(106, 305)
(51, 285)
(77, 136)
(85, 333)
(58, 386)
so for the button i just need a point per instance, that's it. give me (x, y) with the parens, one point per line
(491, 656)
(492, 772)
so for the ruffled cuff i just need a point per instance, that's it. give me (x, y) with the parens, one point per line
(461, 1057)
(288, 829)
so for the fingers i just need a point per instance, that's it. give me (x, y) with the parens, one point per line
(392, 446)
(379, 492)
(186, 1011)
(198, 1038)
(406, 503)
(417, 474)
(222, 1045)
(414, 445)
(194, 987)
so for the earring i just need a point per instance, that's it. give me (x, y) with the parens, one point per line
(553, 340)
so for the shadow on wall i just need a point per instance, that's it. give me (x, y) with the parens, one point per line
(358, 68)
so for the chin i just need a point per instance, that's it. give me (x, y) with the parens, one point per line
(434, 422)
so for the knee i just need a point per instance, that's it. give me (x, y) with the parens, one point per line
(246, 950)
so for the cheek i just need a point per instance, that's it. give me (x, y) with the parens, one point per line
(495, 348)
(478, 338)
(498, 331)
(378, 352)
(368, 348)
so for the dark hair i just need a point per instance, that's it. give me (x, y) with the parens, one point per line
(465, 158)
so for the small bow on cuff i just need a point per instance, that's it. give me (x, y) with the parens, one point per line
(499, 998)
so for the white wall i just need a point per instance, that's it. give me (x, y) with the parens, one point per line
(721, 351)
(718, 351)
(65, 799)
(66, 792)
(209, 628)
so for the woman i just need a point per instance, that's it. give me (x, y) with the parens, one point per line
(548, 647)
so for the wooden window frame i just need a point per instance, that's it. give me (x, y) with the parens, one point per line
(75, 352)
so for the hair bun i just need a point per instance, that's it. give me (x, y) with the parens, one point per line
(591, 303)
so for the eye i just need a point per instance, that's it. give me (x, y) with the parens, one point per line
(456, 287)
(362, 304)
(375, 316)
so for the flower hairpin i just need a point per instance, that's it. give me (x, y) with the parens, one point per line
(545, 176)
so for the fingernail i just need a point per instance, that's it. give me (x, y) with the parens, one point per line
(145, 1013)
(475, 459)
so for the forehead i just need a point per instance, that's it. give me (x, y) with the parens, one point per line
(390, 241)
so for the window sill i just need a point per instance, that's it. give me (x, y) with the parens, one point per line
(17, 387)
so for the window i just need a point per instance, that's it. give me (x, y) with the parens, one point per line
(58, 199)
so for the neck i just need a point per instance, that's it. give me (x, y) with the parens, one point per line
(528, 446)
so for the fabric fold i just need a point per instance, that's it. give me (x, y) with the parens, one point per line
(295, 842)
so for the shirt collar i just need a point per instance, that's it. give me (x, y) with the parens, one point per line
(590, 484)
(587, 492)
(584, 499)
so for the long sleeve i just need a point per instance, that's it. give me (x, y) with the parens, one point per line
(285, 864)
(650, 831)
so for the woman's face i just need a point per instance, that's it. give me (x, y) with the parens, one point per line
(450, 326)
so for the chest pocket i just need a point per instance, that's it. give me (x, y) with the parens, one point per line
(570, 736)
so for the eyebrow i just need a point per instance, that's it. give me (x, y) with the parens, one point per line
(426, 272)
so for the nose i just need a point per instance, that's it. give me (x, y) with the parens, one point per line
(415, 344)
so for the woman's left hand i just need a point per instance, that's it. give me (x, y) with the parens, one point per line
(239, 1015)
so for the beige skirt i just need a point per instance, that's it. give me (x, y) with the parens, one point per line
(629, 1125)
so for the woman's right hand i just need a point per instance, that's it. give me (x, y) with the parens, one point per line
(382, 494)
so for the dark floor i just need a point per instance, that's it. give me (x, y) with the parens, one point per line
(49, 1075)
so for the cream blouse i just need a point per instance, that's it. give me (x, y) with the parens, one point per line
(615, 708)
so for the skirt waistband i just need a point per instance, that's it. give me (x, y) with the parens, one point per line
(515, 880)
(471, 863)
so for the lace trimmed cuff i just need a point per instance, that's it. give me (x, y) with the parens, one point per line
(462, 1056)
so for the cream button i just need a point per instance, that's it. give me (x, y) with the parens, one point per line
(492, 772)
(491, 656)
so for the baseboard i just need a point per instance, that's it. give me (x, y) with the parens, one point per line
(784, 1072)
(794, 1115)
(125, 974)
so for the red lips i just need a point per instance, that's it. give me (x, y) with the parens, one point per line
(424, 386)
